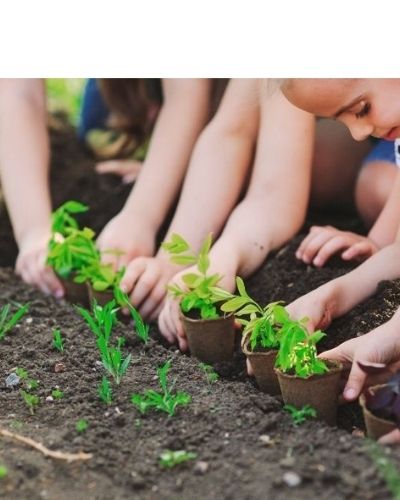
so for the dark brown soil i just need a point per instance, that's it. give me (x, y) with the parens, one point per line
(245, 439)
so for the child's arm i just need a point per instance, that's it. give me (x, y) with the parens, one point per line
(182, 117)
(24, 164)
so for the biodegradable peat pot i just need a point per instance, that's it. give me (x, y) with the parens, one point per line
(319, 391)
(210, 340)
(76, 293)
(376, 426)
(262, 363)
(101, 297)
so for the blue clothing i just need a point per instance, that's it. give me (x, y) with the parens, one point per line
(94, 111)
(388, 151)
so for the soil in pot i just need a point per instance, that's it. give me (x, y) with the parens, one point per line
(376, 426)
(319, 391)
(262, 363)
(76, 293)
(210, 340)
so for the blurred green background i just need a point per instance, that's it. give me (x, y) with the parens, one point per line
(65, 94)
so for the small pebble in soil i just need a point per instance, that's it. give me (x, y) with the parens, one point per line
(291, 479)
(266, 440)
(59, 367)
(200, 467)
(287, 462)
(28, 320)
(50, 398)
(12, 380)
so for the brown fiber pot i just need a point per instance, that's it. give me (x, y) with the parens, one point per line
(101, 297)
(262, 364)
(319, 391)
(210, 340)
(76, 293)
(376, 427)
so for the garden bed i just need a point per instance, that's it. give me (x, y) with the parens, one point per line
(247, 447)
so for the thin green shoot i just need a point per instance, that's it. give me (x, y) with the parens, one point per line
(300, 415)
(211, 374)
(81, 425)
(3, 471)
(31, 384)
(142, 330)
(58, 342)
(105, 391)
(31, 400)
(6, 323)
(22, 374)
(57, 394)
(170, 458)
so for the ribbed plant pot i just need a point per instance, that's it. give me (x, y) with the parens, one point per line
(319, 391)
(262, 364)
(210, 340)
(76, 293)
(376, 426)
(101, 297)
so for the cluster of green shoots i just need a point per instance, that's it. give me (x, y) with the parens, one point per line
(142, 330)
(211, 375)
(58, 342)
(7, 323)
(81, 425)
(199, 294)
(30, 385)
(300, 415)
(165, 400)
(170, 458)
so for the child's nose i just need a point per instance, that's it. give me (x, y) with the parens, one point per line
(361, 131)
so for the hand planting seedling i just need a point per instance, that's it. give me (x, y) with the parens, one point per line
(3, 471)
(105, 392)
(31, 400)
(81, 425)
(169, 458)
(165, 401)
(211, 374)
(300, 415)
(142, 330)
(57, 340)
(57, 394)
(6, 323)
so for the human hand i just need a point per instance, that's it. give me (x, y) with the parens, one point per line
(124, 239)
(31, 263)
(145, 281)
(127, 169)
(381, 345)
(322, 242)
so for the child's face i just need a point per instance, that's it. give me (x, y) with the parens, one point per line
(365, 106)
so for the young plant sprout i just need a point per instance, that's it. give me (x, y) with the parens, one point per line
(57, 394)
(22, 374)
(31, 400)
(112, 359)
(101, 276)
(62, 221)
(142, 330)
(6, 323)
(300, 415)
(57, 340)
(32, 384)
(102, 320)
(3, 471)
(199, 294)
(298, 352)
(105, 392)
(211, 374)
(81, 425)
(169, 458)
(166, 400)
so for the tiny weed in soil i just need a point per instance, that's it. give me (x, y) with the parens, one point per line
(169, 458)
(6, 323)
(198, 294)
(142, 330)
(211, 374)
(22, 374)
(57, 394)
(57, 340)
(16, 424)
(31, 400)
(164, 401)
(300, 415)
(81, 425)
(138, 423)
(105, 392)
(386, 468)
(3, 471)
(32, 384)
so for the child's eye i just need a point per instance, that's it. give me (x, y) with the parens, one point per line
(365, 108)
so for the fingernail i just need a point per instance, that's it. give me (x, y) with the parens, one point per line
(317, 261)
(350, 394)
(306, 260)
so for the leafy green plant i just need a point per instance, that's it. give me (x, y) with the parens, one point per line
(166, 400)
(32, 384)
(211, 374)
(101, 319)
(81, 425)
(3, 471)
(57, 340)
(57, 394)
(105, 391)
(169, 458)
(31, 400)
(199, 293)
(22, 374)
(101, 276)
(142, 330)
(6, 323)
(263, 323)
(298, 352)
(300, 415)
(62, 220)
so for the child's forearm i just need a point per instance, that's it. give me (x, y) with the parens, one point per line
(24, 154)
(179, 123)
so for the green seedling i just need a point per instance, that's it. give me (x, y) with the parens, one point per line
(22, 374)
(166, 400)
(62, 221)
(100, 320)
(6, 323)
(57, 394)
(198, 294)
(300, 415)
(81, 425)
(101, 276)
(105, 392)
(298, 352)
(3, 471)
(142, 330)
(211, 374)
(169, 458)
(263, 323)
(31, 384)
(57, 340)
(31, 400)
(112, 359)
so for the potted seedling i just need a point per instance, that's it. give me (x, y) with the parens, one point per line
(380, 403)
(260, 340)
(71, 249)
(210, 332)
(303, 378)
